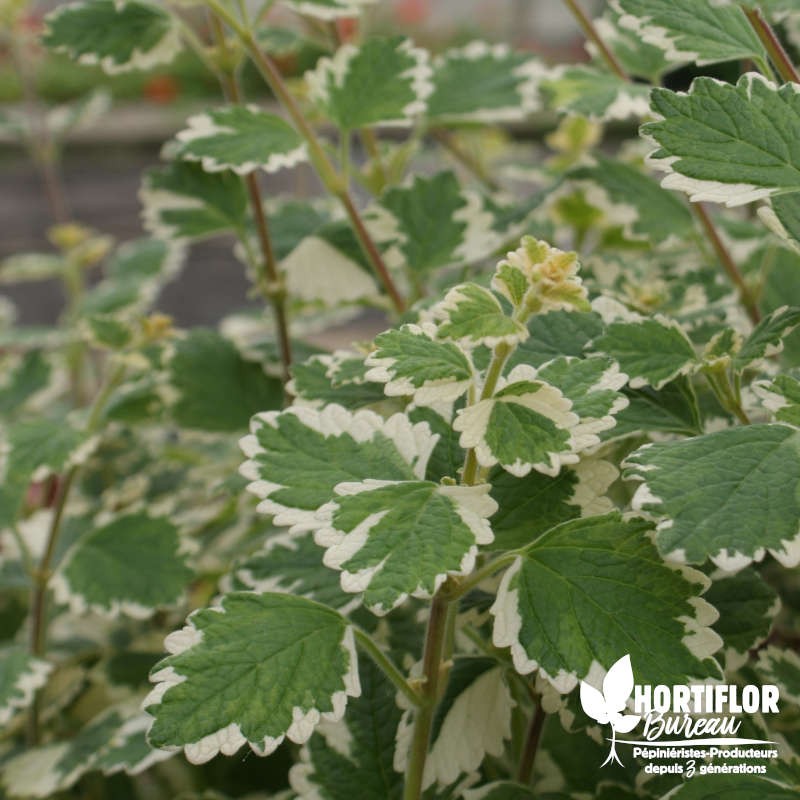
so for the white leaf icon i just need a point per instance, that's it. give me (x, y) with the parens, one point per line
(607, 707)
(593, 703)
(618, 685)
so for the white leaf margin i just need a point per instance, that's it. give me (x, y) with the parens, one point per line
(164, 51)
(701, 191)
(21, 693)
(473, 504)
(414, 442)
(431, 393)
(333, 70)
(699, 639)
(647, 504)
(203, 126)
(230, 739)
(529, 73)
(472, 423)
(338, 9)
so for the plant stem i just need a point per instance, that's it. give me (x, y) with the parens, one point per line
(502, 351)
(389, 669)
(486, 571)
(463, 157)
(328, 174)
(268, 277)
(720, 384)
(728, 264)
(43, 149)
(532, 739)
(433, 670)
(777, 53)
(594, 36)
(42, 574)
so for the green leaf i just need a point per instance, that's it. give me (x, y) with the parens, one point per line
(328, 9)
(767, 337)
(592, 385)
(217, 390)
(297, 457)
(650, 351)
(732, 787)
(384, 80)
(526, 425)
(431, 222)
(557, 333)
(531, 506)
(410, 361)
(242, 139)
(782, 397)
(32, 450)
(128, 750)
(606, 592)
(116, 35)
(20, 676)
(782, 216)
(354, 757)
(318, 380)
(728, 144)
(133, 278)
(291, 563)
(183, 201)
(106, 331)
(747, 606)
(692, 30)
(637, 57)
(392, 539)
(593, 93)
(112, 741)
(483, 83)
(782, 667)
(131, 565)
(632, 199)
(29, 376)
(471, 316)
(672, 409)
(255, 669)
(727, 496)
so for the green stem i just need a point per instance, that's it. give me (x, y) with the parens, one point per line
(42, 574)
(486, 571)
(387, 667)
(43, 149)
(268, 277)
(502, 351)
(433, 672)
(728, 264)
(772, 44)
(594, 36)
(327, 172)
(721, 386)
(532, 739)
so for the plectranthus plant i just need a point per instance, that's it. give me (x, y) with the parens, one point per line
(432, 563)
